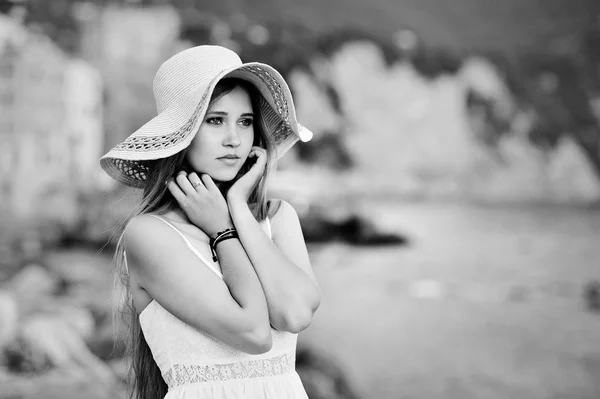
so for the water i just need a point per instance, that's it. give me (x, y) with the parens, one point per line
(484, 303)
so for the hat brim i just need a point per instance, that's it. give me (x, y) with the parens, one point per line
(172, 130)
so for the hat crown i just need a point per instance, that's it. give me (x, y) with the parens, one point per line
(188, 70)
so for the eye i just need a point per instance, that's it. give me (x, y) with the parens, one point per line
(247, 122)
(216, 120)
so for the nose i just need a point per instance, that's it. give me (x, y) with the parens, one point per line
(232, 138)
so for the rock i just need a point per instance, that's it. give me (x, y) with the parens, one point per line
(48, 342)
(465, 134)
(353, 229)
(328, 151)
(87, 276)
(79, 266)
(9, 317)
(107, 345)
(33, 278)
(31, 286)
(56, 385)
(591, 296)
(322, 377)
(77, 317)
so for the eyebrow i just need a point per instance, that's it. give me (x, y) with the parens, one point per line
(222, 113)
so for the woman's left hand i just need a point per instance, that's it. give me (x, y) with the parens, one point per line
(242, 188)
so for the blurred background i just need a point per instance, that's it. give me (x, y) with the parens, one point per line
(450, 195)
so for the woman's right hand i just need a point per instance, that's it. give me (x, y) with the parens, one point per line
(201, 201)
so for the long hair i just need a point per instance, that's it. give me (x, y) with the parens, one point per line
(144, 376)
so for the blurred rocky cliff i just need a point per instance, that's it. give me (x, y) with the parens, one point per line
(390, 117)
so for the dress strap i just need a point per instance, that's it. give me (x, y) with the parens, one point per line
(191, 247)
(124, 254)
(268, 223)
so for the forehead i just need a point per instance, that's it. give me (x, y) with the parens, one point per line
(238, 98)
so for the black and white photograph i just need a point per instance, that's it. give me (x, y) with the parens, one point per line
(320, 199)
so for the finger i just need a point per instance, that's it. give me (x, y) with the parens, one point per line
(253, 151)
(196, 182)
(175, 190)
(260, 154)
(256, 170)
(209, 183)
(184, 183)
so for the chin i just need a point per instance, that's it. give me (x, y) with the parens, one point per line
(224, 176)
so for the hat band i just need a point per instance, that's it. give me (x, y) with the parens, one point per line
(274, 87)
(153, 143)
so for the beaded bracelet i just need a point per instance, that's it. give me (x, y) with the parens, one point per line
(221, 236)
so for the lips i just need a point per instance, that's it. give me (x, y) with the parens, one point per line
(229, 160)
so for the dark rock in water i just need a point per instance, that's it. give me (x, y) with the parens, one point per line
(353, 229)
(328, 150)
(322, 377)
(591, 295)
(359, 231)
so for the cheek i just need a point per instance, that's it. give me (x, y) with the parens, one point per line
(200, 147)
(249, 138)
(196, 156)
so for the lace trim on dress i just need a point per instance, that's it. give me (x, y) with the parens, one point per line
(181, 374)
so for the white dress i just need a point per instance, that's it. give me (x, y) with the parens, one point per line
(195, 365)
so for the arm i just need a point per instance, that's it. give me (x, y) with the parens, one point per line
(282, 265)
(232, 310)
(245, 288)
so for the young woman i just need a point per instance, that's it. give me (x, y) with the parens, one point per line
(217, 278)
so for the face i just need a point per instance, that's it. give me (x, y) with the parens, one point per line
(224, 138)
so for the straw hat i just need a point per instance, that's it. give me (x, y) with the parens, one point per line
(182, 88)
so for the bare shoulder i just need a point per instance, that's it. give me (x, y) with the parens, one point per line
(288, 236)
(281, 209)
(144, 236)
(284, 218)
(140, 229)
